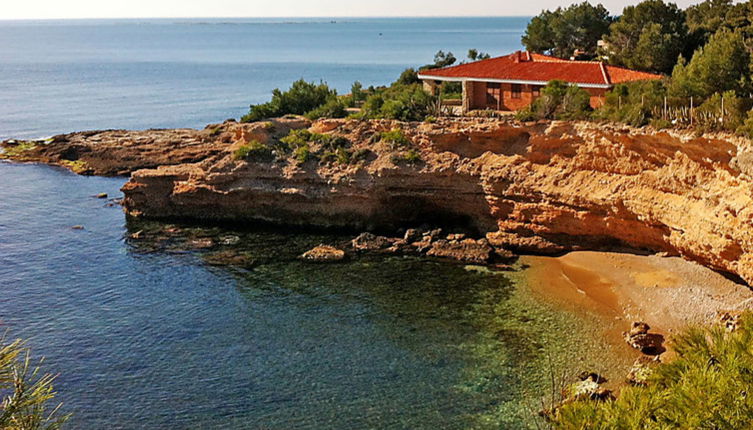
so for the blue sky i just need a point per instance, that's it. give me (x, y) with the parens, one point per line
(36, 9)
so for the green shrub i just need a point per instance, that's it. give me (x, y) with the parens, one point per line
(559, 100)
(333, 108)
(302, 97)
(722, 112)
(302, 153)
(395, 138)
(707, 386)
(660, 124)
(633, 103)
(412, 156)
(408, 77)
(747, 128)
(253, 150)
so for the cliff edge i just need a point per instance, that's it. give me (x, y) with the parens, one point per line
(534, 188)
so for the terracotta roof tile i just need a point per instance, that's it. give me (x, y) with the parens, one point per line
(524, 66)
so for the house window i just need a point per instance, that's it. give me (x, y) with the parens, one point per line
(535, 90)
(517, 90)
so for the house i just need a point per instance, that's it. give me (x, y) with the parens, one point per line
(514, 81)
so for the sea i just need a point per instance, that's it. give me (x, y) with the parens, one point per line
(180, 326)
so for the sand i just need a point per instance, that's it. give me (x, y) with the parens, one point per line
(668, 293)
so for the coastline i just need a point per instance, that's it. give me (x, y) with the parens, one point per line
(616, 289)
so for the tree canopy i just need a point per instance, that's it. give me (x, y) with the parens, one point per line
(648, 36)
(723, 64)
(563, 31)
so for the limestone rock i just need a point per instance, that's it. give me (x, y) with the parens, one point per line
(639, 338)
(324, 253)
(467, 250)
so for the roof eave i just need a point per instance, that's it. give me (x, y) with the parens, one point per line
(506, 81)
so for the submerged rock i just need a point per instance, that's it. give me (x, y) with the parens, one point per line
(468, 250)
(371, 242)
(324, 253)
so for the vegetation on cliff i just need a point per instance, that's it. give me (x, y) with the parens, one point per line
(706, 386)
(26, 391)
(704, 50)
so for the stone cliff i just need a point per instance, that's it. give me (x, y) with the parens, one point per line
(534, 188)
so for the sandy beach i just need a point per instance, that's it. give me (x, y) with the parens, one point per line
(668, 293)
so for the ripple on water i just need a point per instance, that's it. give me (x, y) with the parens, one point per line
(147, 338)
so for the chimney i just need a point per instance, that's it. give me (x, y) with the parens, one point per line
(517, 58)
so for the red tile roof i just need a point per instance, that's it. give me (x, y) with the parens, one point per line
(531, 67)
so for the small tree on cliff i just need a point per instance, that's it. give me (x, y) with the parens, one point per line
(301, 98)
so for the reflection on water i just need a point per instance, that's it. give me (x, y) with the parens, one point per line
(157, 325)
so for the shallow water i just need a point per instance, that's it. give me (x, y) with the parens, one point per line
(146, 333)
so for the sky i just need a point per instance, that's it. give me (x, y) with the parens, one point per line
(46, 9)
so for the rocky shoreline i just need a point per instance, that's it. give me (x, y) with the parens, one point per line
(542, 188)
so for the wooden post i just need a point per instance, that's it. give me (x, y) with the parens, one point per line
(691, 111)
(722, 118)
(666, 114)
(619, 102)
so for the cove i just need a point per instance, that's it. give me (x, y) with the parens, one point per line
(171, 333)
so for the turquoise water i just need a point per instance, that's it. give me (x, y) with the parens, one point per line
(63, 76)
(205, 327)
(162, 332)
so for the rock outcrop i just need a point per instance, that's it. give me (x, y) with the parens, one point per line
(537, 188)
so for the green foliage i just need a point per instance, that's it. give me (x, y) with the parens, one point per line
(722, 65)
(563, 31)
(708, 17)
(333, 108)
(633, 103)
(254, 151)
(26, 391)
(302, 153)
(747, 128)
(476, 55)
(306, 146)
(648, 36)
(401, 102)
(357, 94)
(558, 100)
(441, 59)
(412, 156)
(452, 90)
(302, 97)
(706, 387)
(408, 77)
(395, 138)
(720, 112)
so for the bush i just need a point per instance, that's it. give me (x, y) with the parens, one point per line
(558, 100)
(253, 150)
(722, 112)
(747, 128)
(408, 77)
(333, 108)
(707, 386)
(633, 103)
(302, 97)
(395, 138)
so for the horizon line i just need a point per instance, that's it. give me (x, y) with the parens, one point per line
(269, 17)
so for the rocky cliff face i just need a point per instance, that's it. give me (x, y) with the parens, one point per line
(541, 188)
